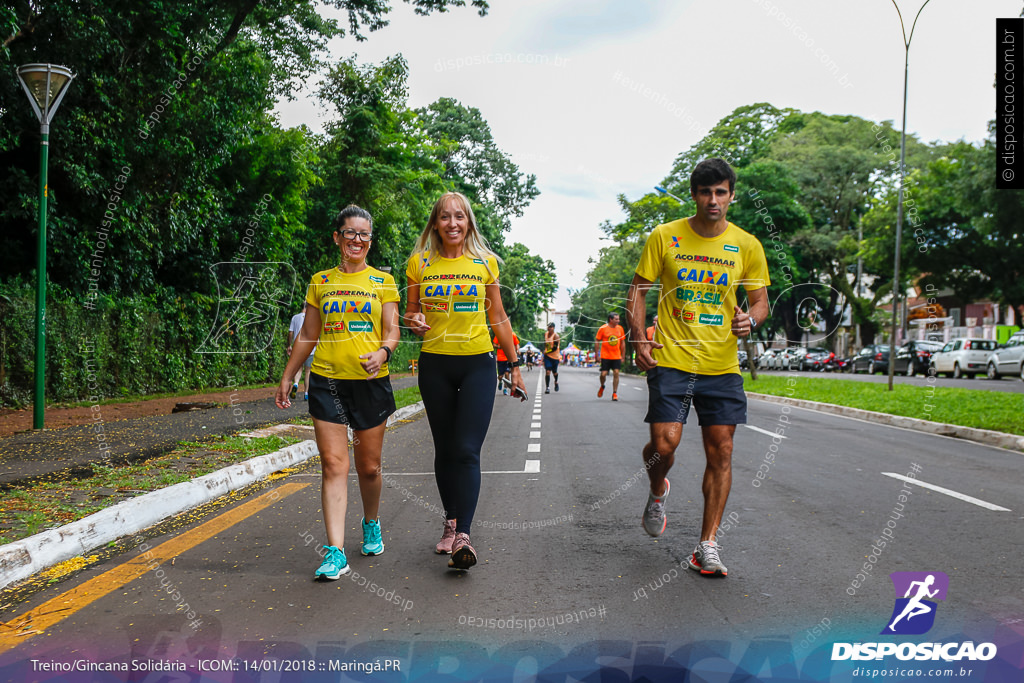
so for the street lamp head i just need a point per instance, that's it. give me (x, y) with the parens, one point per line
(45, 85)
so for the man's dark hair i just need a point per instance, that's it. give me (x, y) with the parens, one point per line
(350, 211)
(610, 315)
(711, 172)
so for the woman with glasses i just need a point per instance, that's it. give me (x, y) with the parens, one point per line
(453, 291)
(352, 310)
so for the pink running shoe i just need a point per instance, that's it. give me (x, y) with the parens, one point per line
(463, 555)
(444, 546)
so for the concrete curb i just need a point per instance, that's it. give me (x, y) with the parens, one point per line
(405, 413)
(983, 436)
(22, 559)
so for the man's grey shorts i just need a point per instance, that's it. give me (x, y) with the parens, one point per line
(719, 399)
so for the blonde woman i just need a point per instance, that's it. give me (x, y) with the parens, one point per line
(353, 311)
(453, 292)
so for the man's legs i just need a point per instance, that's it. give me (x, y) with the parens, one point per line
(660, 453)
(600, 392)
(615, 381)
(717, 476)
(307, 366)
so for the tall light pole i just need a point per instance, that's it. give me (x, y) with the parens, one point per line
(45, 85)
(903, 175)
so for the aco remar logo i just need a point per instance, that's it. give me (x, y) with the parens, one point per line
(916, 596)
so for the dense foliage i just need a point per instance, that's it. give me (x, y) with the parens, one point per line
(820, 192)
(184, 222)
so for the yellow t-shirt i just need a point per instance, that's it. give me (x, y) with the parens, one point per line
(698, 279)
(350, 306)
(453, 298)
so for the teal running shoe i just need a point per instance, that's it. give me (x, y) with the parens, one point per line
(335, 565)
(373, 544)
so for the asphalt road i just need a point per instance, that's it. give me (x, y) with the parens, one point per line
(1006, 383)
(567, 578)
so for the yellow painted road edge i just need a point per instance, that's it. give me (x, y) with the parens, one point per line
(57, 609)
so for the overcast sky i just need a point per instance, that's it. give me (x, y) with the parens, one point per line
(597, 97)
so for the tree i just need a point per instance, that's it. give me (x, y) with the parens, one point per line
(173, 92)
(529, 284)
(741, 138)
(959, 230)
(474, 165)
(376, 155)
(607, 290)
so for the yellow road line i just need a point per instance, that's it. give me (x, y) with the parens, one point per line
(51, 612)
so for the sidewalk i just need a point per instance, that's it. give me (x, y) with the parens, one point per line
(70, 451)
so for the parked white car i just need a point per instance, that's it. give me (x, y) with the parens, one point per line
(962, 357)
(1008, 359)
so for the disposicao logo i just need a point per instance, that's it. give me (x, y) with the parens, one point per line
(913, 614)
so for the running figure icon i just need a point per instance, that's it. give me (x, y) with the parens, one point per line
(915, 607)
(917, 595)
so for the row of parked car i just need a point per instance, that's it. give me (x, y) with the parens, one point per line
(957, 358)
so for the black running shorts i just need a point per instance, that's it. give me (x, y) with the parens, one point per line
(550, 364)
(719, 399)
(610, 364)
(358, 403)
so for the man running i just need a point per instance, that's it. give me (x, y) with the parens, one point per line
(609, 352)
(552, 340)
(700, 261)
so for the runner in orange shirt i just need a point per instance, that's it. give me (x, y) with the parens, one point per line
(610, 338)
(651, 329)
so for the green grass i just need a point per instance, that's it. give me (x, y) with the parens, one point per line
(407, 396)
(996, 410)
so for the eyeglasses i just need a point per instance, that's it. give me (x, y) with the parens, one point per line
(353, 235)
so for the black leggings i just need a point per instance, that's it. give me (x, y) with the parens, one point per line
(458, 395)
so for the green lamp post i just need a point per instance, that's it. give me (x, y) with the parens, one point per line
(896, 291)
(45, 85)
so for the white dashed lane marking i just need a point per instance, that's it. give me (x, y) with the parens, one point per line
(948, 492)
(764, 431)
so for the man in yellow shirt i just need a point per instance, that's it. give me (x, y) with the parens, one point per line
(700, 262)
